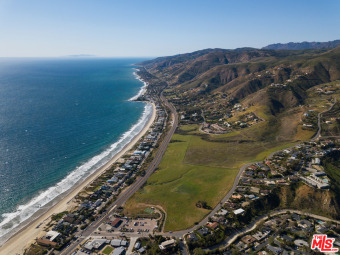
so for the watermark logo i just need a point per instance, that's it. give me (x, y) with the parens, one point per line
(323, 243)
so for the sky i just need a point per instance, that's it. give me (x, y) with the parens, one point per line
(145, 28)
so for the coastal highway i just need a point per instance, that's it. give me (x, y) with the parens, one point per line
(123, 197)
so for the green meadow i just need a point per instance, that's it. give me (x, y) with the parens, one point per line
(198, 167)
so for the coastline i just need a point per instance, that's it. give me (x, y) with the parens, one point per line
(24, 237)
(143, 89)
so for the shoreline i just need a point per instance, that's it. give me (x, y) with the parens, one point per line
(17, 243)
(143, 88)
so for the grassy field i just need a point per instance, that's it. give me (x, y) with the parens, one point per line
(199, 167)
(180, 185)
(108, 250)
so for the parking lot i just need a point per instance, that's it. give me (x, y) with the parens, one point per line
(139, 225)
(135, 226)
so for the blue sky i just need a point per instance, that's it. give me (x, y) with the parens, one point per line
(145, 28)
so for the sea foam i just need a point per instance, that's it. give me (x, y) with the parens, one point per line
(142, 90)
(13, 222)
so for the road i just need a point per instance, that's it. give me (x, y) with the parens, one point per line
(159, 154)
(181, 233)
(257, 220)
(237, 179)
(318, 134)
(134, 187)
(205, 220)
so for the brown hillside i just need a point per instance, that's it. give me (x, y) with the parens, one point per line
(309, 199)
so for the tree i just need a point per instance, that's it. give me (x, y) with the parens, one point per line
(199, 251)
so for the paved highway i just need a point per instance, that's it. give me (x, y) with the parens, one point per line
(134, 187)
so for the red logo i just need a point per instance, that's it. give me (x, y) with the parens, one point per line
(323, 243)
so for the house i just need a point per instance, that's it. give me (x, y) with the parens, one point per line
(119, 251)
(321, 229)
(237, 196)
(241, 189)
(258, 182)
(305, 224)
(68, 219)
(118, 242)
(192, 237)
(252, 167)
(287, 238)
(222, 212)
(245, 181)
(116, 223)
(213, 225)
(255, 190)
(245, 204)
(241, 246)
(248, 239)
(249, 173)
(275, 250)
(300, 243)
(86, 204)
(219, 219)
(238, 211)
(46, 243)
(51, 235)
(264, 192)
(166, 244)
(137, 245)
(96, 244)
(260, 235)
(251, 196)
(231, 205)
(316, 161)
(203, 231)
(281, 181)
(270, 182)
(141, 250)
(261, 174)
(98, 203)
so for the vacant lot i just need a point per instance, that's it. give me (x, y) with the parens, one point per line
(199, 167)
(177, 186)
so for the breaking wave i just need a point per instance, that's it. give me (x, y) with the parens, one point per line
(14, 221)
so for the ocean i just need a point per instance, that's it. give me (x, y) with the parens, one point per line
(60, 120)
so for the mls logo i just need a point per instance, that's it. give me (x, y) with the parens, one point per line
(323, 243)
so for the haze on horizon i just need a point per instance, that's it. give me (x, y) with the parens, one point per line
(132, 28)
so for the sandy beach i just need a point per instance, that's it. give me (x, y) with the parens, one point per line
(22, 239)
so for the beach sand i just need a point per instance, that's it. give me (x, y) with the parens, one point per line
(26, 236)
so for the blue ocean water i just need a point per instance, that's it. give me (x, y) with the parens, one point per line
(60, 119)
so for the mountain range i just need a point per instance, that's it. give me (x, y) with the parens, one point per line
(303, 45)
(247, 73)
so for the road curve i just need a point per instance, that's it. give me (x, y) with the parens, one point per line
(253, 225)
(236, 181)
(318, 134)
